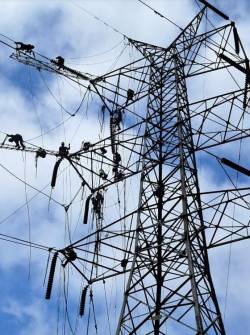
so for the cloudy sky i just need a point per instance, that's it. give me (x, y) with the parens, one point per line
(30, 104)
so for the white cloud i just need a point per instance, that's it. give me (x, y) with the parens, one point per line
(36, 315)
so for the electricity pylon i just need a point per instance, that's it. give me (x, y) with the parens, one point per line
(165, 252)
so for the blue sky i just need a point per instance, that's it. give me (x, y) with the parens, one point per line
(62, 28)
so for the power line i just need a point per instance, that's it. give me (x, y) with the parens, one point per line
(159, 14)
(34, 188)
(10, 39)
(99, 19)
(20, 241)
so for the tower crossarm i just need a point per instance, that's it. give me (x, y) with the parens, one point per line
(220, 119)
(28, 149)
(43, 63)
(226, 216)
(215, 50)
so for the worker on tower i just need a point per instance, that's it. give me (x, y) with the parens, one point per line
(85, 146)
(70, 255)
(103, 150)
(17, 139)
(41, 153)
(59, 61)
(117, 158)
(97, 202)
(130, 95)
(63, 151)
(103, 174)
(20, 46)
(119, 174)
(117, 119)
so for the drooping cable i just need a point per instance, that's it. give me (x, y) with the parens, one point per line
(98, 54)
(28, 212)
(230, 245)
(53, 96)
(34, 105)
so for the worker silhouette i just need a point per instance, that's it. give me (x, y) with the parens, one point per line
(20, 46)
(97, 202)
(130, 95)
(17, 139)
(117, 158)
(103, 174)
(63, 150)
(70, 256)
(103, 150)
(119, 174)
(117, 119)
(59, 61)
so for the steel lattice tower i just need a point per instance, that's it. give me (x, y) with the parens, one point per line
(170, 275)
(166, 247)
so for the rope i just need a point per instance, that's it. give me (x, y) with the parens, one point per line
(107, 307)
(230, 245)
(53, 96)
(65, 292)
(51, 129)
(28, 211)
(34, 105)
